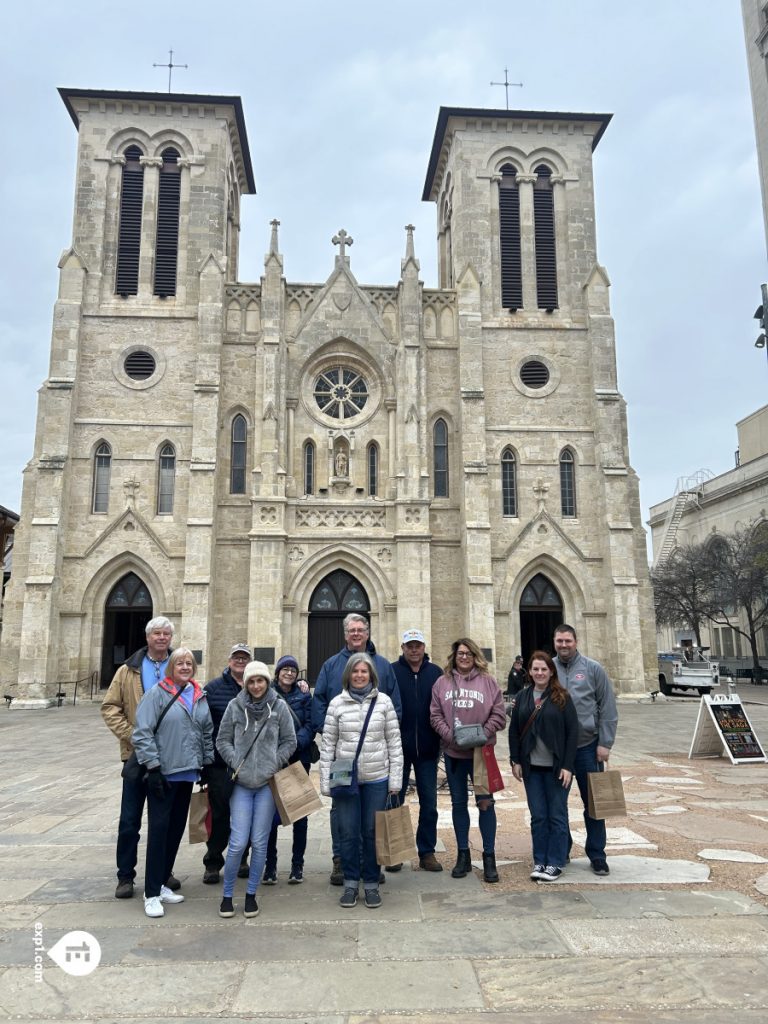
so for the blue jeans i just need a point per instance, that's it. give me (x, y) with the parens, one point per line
(129, 828)
(356, 821)
(458, 771)
(250, 817)
(299, 844)
(586, 761)
(426, 787)
(548, 804)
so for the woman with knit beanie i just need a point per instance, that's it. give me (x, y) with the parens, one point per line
(256, 739)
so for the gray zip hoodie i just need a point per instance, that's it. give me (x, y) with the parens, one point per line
(592, 694)
(271, 751)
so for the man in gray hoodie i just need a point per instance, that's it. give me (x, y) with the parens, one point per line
(592, 694)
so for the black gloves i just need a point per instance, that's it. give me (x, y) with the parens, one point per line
(205, 775)
(156, 784)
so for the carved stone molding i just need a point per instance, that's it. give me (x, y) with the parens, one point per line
(341, 519)
(268, 515)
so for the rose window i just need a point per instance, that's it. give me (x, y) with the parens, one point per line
(340, 393)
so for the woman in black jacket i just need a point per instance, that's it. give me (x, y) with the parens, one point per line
(542, 748)
(287, 687)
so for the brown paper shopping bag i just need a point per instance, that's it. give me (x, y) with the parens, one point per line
(295, 795)
(394, 836)
(199, 817)
(606, 795)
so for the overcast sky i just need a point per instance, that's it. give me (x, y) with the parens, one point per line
(341, 101)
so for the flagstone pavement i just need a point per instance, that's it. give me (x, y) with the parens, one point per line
(677, 933)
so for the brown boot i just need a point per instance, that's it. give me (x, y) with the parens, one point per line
(429, 862)
(337, 874)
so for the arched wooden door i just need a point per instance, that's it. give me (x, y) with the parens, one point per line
(334, 597)
(127, 611)
(541, 611)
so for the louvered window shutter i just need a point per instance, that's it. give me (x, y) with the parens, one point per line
(129, 236)
(509, 237)
(167, 244)
(544, 223)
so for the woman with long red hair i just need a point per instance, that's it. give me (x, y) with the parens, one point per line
(543, 735)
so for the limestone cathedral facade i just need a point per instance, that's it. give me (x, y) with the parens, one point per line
(255, 460)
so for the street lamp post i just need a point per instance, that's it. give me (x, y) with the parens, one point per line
(761, 314)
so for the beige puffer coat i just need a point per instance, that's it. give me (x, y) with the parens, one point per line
(382, 754)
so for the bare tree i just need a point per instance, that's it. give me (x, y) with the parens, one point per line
(737, 566)
(682, 589)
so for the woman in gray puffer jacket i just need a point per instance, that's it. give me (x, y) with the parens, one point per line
(256, 739)
(379, 770)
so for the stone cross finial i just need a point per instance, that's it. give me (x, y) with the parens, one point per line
(409, 253)
(275, 224)
(342, 239)
(540, 490)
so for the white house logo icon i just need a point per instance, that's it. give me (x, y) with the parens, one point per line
(77, 953)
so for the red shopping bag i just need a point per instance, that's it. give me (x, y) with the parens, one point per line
(485, 771)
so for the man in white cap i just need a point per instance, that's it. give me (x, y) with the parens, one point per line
(416, 675)
(220, 691)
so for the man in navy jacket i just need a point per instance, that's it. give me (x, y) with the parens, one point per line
(416, 676)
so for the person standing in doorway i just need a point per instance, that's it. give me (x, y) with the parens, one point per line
(143, 670)
(416, 675)
(592, 694)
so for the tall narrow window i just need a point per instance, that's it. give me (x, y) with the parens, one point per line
(373, 469)
(440, 458)
(167, 244)
(166, 480)
(567, 484)
(238, 452)
(544, 228)
(508, 483)
(129, 235)
(309, 468)
(102, 469)
(509, 239)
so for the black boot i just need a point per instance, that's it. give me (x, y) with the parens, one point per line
(463, 864)
(490, 874)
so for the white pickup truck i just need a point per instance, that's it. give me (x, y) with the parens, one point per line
(696, 674)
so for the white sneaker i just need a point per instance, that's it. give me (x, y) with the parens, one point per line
(169, 896)
(153, 906)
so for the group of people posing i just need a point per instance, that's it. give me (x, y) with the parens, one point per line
(369, 722)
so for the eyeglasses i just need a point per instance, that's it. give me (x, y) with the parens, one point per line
(464, 654)
(291, 671)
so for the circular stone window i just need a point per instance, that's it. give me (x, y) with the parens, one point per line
(534, 374)
(340, 392)
(139, 365)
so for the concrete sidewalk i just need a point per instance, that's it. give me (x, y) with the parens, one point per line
(690, 944)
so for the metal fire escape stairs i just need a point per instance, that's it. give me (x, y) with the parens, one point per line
(688, 491)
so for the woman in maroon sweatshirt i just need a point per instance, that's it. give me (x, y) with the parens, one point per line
(466, 694)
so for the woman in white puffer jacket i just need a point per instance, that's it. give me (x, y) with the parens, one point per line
(378, 771)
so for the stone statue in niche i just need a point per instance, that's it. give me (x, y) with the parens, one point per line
(341, 463)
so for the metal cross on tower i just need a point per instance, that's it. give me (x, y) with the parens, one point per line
(506, 83)
(170, 65)
(342, 239)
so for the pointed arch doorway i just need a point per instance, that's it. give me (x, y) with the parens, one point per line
(334, 597)
(541, 611)
(127, 611)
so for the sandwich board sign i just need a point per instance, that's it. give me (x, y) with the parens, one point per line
(722, 724)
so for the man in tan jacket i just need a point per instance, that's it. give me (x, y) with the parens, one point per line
(141, 671)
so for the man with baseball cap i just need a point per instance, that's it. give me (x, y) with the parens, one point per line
(416, 675)
(220, 691)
